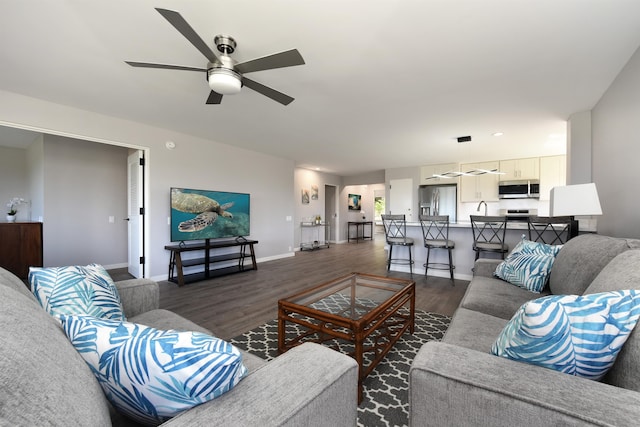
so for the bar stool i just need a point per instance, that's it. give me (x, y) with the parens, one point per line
(395, 230)
(488, 234)
(435, 231)
(558, 229)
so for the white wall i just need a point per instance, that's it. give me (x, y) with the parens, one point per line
(195, 163)
(616, 153)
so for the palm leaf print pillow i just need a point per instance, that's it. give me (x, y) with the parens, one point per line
(577, 335)
(528, 265)
(83, 290)
(152, 375)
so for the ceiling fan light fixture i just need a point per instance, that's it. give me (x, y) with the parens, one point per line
(224, 81)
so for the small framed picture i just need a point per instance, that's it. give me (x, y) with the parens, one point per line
(355, 202)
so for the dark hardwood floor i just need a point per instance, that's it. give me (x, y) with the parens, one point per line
(234, 304)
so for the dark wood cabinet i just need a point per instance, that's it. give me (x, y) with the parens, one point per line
(20, 247)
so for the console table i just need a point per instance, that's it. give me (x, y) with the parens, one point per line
(316, 235)
(357, 225)
(213, 253)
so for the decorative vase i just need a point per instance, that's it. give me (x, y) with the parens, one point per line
(11, 218)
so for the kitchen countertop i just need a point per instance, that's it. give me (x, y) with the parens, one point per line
(584, 225)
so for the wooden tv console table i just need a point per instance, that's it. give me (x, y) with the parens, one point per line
(177, 264)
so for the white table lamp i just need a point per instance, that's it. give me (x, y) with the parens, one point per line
(571, 200)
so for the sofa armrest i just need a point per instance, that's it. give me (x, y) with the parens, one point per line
(309, 385)
(485, 267)
(138, 296)
(451, 386)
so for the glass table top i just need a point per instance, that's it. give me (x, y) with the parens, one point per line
(351, 296)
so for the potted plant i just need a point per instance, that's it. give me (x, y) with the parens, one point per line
(12, 208)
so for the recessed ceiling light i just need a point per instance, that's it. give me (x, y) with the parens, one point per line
(498, 134)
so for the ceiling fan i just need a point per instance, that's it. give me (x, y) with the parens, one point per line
(224, 75)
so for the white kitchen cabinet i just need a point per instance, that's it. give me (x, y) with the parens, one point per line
(553, 173)
(427, 174)
(520, 169)
(475, 188)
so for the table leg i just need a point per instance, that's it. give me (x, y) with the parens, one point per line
(359, 359)
(254, 265)
(179, 269)
(281, 331)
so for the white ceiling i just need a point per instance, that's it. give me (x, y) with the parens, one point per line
(387, 83)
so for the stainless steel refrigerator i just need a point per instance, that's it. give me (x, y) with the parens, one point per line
(439, 200)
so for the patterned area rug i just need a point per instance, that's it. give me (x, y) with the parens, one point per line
(385, 401)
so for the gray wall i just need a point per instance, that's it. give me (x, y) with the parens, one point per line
(579, 151)
(13, 181)
(616, 153)
(84, 184)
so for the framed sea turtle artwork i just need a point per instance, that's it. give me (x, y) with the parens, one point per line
(205, 214)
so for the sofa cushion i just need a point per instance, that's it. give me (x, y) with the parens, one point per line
(495, 297)
(152, 375)
(576, 334)
(528, 265)
(622, 272)
(580, 260)
(43, 379)
(474, 330)
(81, 290)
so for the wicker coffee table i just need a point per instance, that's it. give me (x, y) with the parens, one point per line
(360, 314)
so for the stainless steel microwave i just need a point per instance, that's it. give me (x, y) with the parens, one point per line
(526, 189)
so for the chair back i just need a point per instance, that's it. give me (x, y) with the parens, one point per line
(435, 229)
(550, 230)
(488, 229)
(395, 229)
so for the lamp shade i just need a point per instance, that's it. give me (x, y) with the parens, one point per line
(572, 200)
(224, 81)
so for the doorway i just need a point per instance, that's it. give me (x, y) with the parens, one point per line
(140, 236)
(330, 211)
(401, 197)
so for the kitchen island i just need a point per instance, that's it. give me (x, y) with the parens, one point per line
(463, 254)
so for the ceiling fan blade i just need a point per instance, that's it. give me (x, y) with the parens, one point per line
(164, 66)
(214, 98)
(288, 58)
(189, 33)
(267, 91)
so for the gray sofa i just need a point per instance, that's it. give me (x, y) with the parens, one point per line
(458, 382)
(44, 381)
